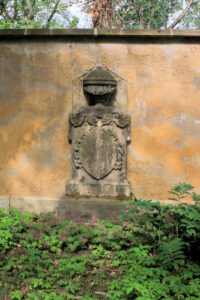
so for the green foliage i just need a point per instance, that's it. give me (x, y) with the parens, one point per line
(146, 251)
(154, 14)
(15, 14)
(171, 253)
(74, 22)
(143, 279)
(192, 18)
(145, 14)
(142, 14)
(3, 292)
(181, 191)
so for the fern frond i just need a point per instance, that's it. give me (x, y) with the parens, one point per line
(171, 252)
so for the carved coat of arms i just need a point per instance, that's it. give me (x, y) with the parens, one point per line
(96, 144)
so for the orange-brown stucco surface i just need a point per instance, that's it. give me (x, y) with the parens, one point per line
(163, 94)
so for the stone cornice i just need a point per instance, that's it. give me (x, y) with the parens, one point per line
(102, 33)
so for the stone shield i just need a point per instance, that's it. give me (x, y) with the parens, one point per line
(98, 152)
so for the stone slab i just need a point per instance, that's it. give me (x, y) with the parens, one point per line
(4, 202)
(117, 191)
(86, 208)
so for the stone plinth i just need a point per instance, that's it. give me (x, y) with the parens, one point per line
(102, 189)
(85, 208)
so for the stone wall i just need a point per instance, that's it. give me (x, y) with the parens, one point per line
(161, 71)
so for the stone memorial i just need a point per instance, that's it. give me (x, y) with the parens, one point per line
(99, 134)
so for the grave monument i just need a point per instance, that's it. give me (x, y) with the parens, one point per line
(99, 133)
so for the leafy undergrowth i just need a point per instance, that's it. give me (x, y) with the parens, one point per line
(150, 251)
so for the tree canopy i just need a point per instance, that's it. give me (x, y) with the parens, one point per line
(34, 14)
(136, 14)
(144, 14)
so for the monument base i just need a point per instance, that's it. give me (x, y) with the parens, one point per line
(103, 189)
(85, 208)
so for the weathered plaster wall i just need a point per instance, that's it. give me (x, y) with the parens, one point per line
(163, 89)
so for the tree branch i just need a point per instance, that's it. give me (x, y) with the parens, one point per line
(52, 13)
(178, 19)
(141, 19)
(152, 16)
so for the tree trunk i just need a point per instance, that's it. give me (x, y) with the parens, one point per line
(30, 9)
(152, 16)
(102, 14)
(141, 18)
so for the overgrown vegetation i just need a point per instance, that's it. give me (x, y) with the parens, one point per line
(148, 251)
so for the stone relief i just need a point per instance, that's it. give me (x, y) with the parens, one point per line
(99, 86)
(92, 118)
(104, 144)
(99, 134)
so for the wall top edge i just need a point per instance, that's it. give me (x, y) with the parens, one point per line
(94, 33)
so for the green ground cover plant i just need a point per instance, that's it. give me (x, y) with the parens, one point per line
(147, 251)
